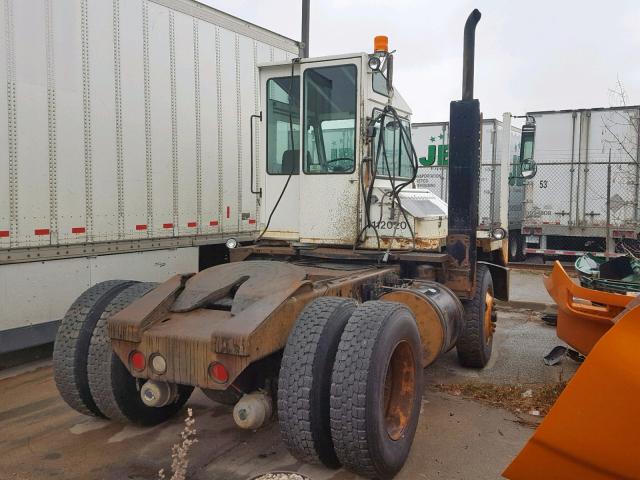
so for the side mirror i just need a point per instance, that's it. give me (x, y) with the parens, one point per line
(528, 169)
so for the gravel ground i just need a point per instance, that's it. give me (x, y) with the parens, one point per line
(457, 438)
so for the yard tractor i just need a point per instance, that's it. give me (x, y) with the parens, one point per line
(329, 317)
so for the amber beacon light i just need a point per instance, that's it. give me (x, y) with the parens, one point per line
(381, 43)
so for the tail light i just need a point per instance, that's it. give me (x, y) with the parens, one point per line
(218, 372)
(137, 360)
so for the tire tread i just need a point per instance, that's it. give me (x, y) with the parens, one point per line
(72, 342)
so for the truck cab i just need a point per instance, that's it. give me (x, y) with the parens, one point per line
(324, 174)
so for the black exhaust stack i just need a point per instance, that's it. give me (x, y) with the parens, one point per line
(464, 173)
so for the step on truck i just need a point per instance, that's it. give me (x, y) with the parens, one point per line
(331, 315)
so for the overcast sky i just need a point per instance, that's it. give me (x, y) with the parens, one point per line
(534, 55)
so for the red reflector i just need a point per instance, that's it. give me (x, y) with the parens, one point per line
(167, 225)
(137, 360)
(252, 221)
(213, 223)
(141, 227)
(78, 229)
(218, 372)
(4, 233)
(228, 211)
(41, 231)
(191, 224)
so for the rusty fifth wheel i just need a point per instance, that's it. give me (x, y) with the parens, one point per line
(376, 389)
(305, 379)
(476, 338)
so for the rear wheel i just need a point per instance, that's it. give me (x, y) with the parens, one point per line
(376, 389)
(115, 391)
(476, 338)
(305, 379)
(71, 347)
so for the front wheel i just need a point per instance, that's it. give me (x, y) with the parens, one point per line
(476, 338)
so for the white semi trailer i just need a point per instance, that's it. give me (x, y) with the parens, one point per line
(581, 179)
(500, 140)
(126, 147)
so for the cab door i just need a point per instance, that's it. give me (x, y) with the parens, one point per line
(280, 162)
(329, 180)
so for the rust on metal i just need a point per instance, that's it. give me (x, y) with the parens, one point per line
(489, 325)
(132, 321)
(399, 388)
(438, 315)
(234, 313)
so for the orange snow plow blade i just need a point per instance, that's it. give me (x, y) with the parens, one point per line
(584, 315)
(593, 430)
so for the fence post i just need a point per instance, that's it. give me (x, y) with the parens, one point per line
(610, 248)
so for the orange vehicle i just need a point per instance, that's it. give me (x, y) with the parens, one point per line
(584, 315)
(592, 431)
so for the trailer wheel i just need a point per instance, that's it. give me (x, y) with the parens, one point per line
(376, 389)
(115, 391)
(476, 338)
(71, 346)
(513, 246)
(305, 379)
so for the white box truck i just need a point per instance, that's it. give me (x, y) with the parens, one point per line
(125, 131)
(431, 141)
(581, 179)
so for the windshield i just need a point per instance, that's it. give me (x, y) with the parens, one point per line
(330, 105)
(398, 160)
(283, 126)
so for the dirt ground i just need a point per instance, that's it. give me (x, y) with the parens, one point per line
(457, 438)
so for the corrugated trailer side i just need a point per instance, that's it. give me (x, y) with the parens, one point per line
(125, 127)
(585, 182)
(431, 141)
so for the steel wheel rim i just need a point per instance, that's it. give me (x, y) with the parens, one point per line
(488, 317)
(399, 389)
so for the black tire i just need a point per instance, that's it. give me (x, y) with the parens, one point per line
(305, 379)
(514, 245)
(522, 253)
(115, 391)
(71, 346)
(364, 388)
(230, 396)
(475, 343)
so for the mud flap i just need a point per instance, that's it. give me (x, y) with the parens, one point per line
(500, 277)
(591, 433)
